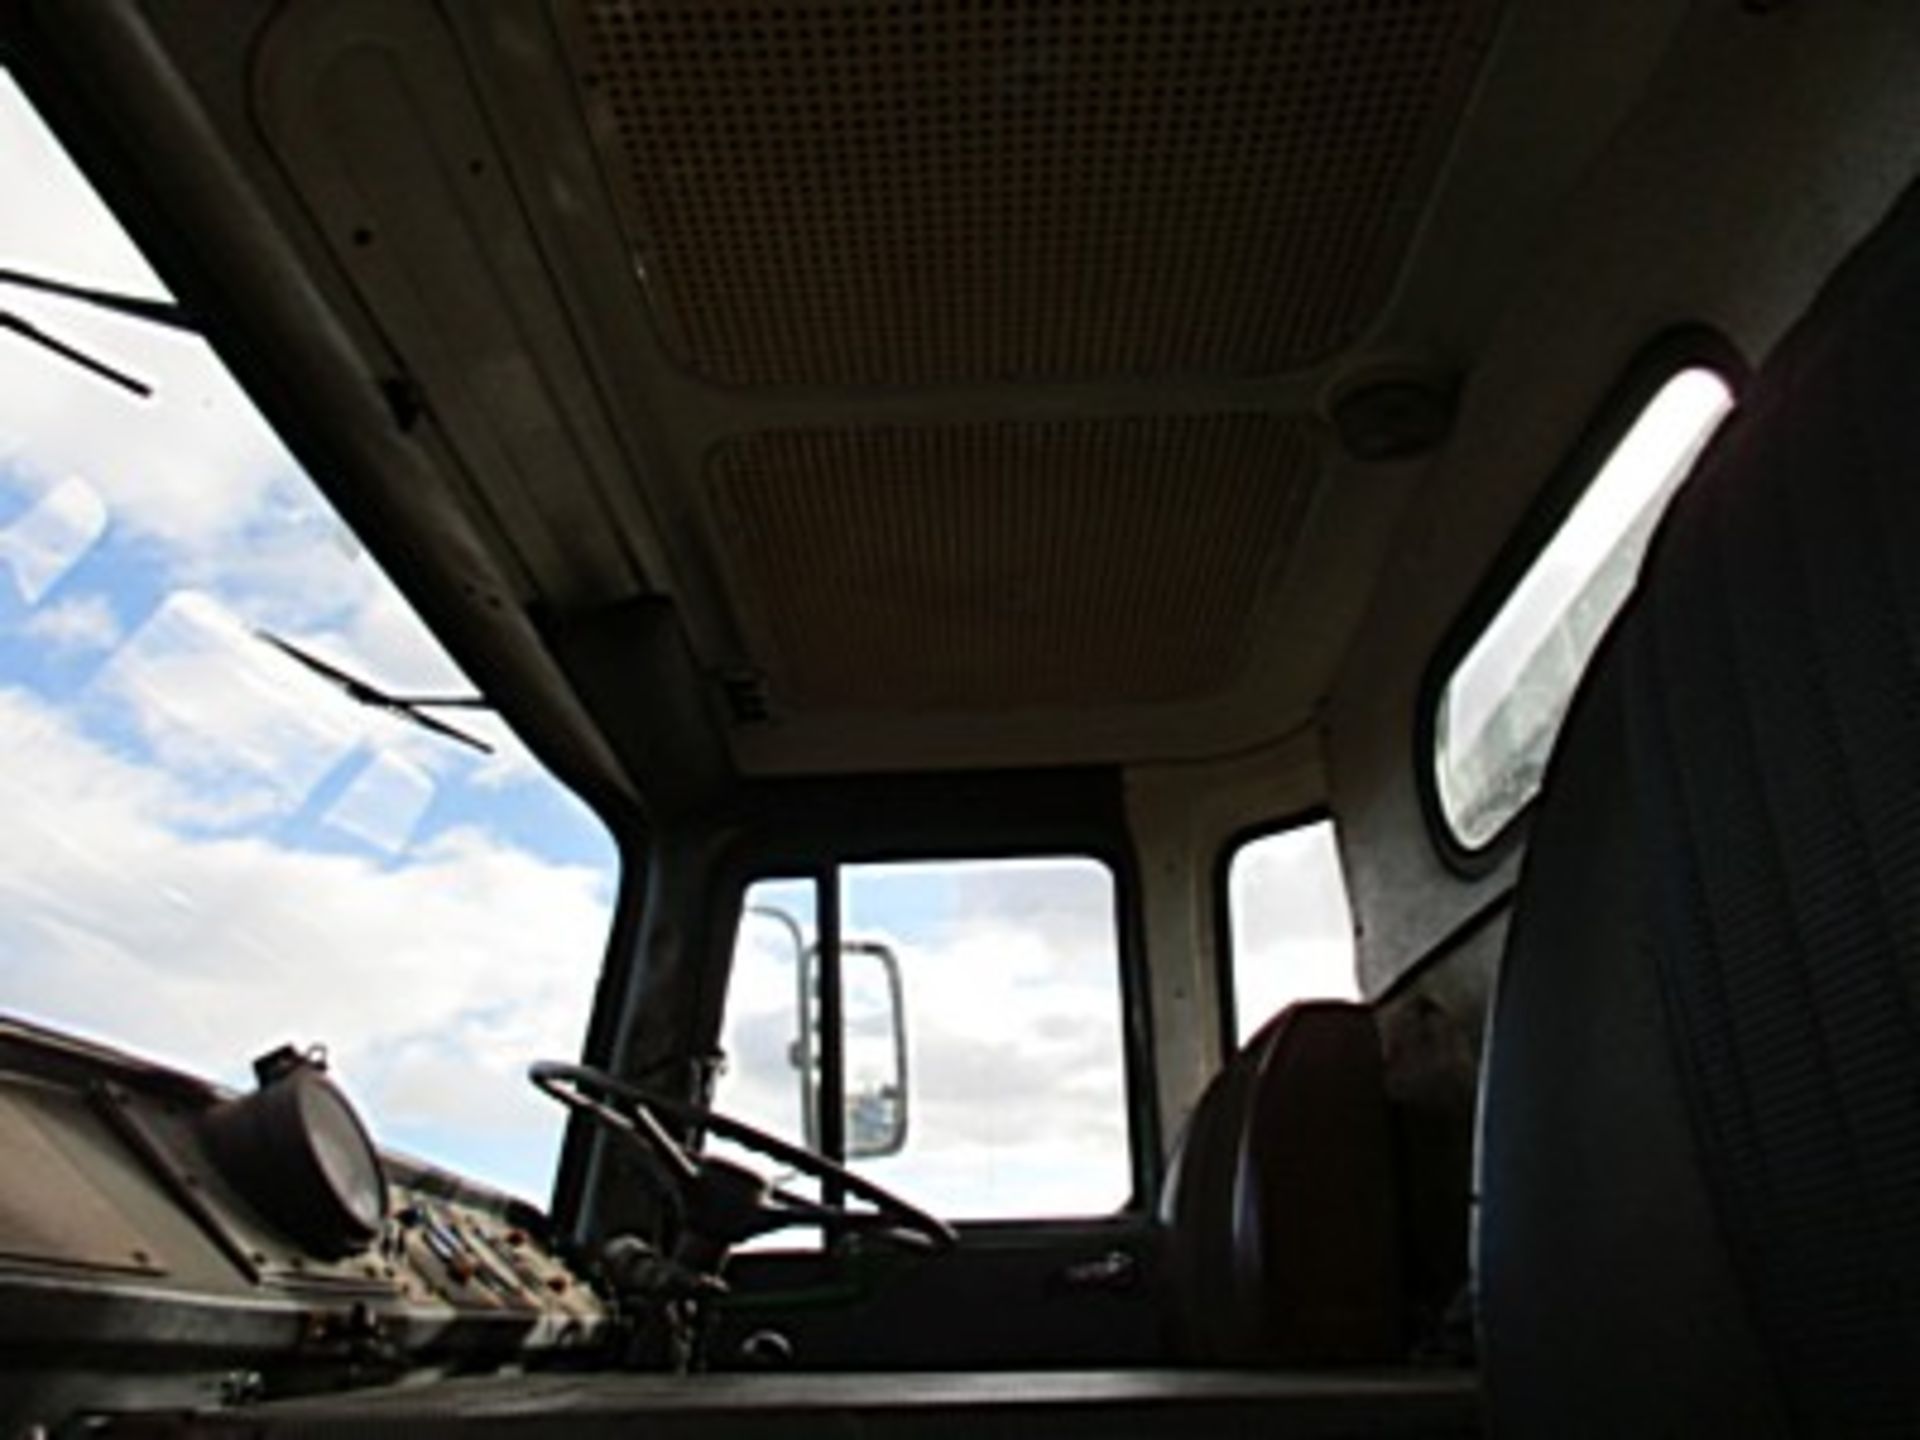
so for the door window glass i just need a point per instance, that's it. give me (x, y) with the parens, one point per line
(1016, 1097)
(984, 1071)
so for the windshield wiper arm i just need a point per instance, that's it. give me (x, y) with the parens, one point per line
(135, 307)
(138, 307)
(405, 707)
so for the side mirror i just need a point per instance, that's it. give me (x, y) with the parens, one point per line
(873, 1015)
(874, 1026)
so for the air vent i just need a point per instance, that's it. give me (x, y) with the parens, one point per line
(829, 192)
(1006, 565)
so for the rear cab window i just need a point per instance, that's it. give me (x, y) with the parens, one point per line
(1495, 718)
(1289, 926)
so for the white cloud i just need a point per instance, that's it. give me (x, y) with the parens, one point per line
(433, 984)
(255, 731)
(300, 574)
(81, 622)
(54, 535)
(384, 802)
(186, 468)
(191, 463)
(65, 218)
(258, 732)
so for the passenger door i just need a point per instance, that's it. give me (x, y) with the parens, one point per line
(1008, 1112)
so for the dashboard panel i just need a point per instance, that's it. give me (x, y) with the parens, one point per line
(144, 1261)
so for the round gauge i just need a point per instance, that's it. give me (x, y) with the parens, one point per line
(349, 1165)
(297, 1152)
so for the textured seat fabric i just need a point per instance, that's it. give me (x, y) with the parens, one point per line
(1700, 1155)
(1280, 1208)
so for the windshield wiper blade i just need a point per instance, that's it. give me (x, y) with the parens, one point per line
(27, 330)
(405, 707)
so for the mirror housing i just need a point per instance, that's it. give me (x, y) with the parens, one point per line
(874, 1050)
(874, 1032)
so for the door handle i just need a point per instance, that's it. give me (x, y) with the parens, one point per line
(1115, 1270)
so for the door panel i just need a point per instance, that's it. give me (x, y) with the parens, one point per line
(1079, 1293)
(995, 1055)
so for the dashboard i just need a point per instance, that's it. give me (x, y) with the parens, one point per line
(164, 1241)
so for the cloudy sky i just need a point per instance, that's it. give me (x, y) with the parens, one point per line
(210, 853)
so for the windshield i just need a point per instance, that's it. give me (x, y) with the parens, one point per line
(209, 849)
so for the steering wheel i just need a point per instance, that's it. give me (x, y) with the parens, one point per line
(725, 1203)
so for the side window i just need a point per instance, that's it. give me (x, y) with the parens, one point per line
(1502, 704)
(1290, 929)
(984, 1070)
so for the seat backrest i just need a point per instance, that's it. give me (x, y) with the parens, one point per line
(1700, 1129)
(1279, 1207)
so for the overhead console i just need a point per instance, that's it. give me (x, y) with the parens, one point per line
(166, 1242)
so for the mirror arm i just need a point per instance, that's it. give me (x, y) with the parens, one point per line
(803, 1053)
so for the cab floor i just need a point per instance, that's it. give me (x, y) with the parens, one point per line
(1187, 1404)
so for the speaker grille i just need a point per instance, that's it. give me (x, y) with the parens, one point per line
(1084, 562)
(866, 193)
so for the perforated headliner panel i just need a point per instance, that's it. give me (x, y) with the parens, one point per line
(1007, 565)
(840, 192)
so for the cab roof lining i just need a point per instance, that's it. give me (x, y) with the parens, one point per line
(444, 178)
(831, 193)
(971, 567)
(938, 364)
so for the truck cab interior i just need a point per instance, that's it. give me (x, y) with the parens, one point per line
(1135, 717)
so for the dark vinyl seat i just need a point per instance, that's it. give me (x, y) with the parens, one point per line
(1280, 1205)
(1700, 1156)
